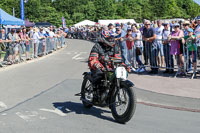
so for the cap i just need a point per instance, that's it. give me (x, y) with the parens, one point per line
(166, 22)
(110, 25)
(117, 25)
(198, 17)
(129, 29)
(176, 24)
(190, 30)
(186, 22)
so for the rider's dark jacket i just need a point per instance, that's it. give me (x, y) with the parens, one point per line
(98, 54)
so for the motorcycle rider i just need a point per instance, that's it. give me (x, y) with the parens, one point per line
(101, 51)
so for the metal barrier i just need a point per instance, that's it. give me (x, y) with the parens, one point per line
(28, 49)
(149, 54)
(184, 60)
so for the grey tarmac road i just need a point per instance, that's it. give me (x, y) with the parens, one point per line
(38, 97)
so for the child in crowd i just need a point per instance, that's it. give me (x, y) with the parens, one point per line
(192, 48)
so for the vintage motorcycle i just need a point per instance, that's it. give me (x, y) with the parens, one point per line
(113, 91)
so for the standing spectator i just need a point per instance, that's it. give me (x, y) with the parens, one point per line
(13, 46)
(24, 42)
(197, 34)
(36, 39)
(159, 32)
(186, 26)
(120, 35)
(27, 44)
(190, 42)
(177, 47)
(51, 35)
(42, 37)
(111, 28)
(145, 54)
(138, 43)
(2, 43)
(16, 48)
(149, 37)
(166, 48)
(130, 47)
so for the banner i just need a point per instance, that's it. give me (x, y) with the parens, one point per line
(22, 10)
(63, 22)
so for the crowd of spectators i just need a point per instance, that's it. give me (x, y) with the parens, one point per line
(27, 43)
(157, 44)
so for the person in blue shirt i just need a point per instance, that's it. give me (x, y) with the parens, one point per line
(119, 37)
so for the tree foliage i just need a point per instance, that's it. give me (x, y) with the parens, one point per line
(77, 10)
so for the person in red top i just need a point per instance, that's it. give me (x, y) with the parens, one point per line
(130, 47)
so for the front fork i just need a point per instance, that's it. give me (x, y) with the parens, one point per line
(119, 94)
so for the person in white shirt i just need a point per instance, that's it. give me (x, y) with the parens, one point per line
(36, 39)
(138, 44)
(51, 35)
(166, 48)
(159, 32)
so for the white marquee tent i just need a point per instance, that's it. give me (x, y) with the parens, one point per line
(125, 21)
(85, 22)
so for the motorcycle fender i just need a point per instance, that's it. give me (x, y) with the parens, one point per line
(86, 73)
(127, 83)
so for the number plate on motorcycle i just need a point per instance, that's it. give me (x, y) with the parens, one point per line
(121, 73)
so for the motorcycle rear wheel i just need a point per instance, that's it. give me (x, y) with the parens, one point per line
(86, 91)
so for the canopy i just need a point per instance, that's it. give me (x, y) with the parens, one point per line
(125, 21)
(28, 23)
(85, 22)
(7, 19)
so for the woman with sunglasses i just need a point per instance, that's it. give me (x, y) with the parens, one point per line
(177, 47)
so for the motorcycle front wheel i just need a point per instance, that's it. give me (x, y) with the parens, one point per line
(123, 104)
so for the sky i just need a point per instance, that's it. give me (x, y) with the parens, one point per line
(197, 1)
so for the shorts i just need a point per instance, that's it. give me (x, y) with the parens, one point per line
(16, 48)
(27, 48)
(11, 50)
(160, 48)
(193, 56)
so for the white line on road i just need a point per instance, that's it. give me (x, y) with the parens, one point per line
(3, 106)
(78, 56)
(30, 115)
(24, 117)
(56, 111)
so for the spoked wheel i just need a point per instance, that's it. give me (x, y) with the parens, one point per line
(123, 105)
(87, 92)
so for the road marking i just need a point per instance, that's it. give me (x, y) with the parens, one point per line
(30, 115)
(78, 56)
(3, 106)
(56, 111)
(24, 117)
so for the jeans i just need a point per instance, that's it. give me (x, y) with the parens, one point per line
(36, 49)
(139, 56)
(124, 49)
(169, 61)
(20, 50)
(160, 48)
(193, 56)
(153, 53)
(40, 47)
(131, 56)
